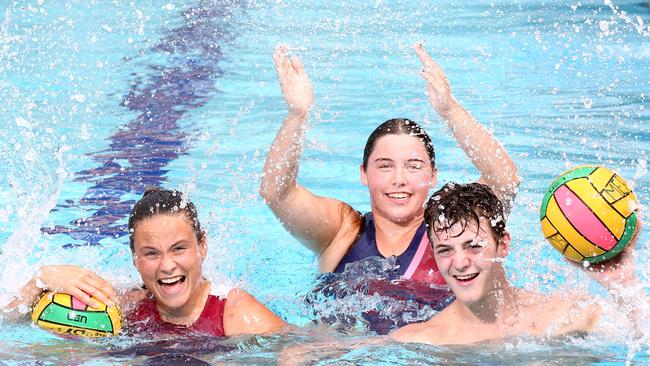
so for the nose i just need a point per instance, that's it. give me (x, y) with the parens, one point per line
(167, 264)
(399, 179)
(461, 261)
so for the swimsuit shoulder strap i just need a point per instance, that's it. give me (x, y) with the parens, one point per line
(364, 246)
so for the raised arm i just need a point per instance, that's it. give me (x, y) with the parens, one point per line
(315, 221)
(76, 281)
(486, 153)
(619, 276)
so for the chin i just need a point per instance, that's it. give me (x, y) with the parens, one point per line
(175, 303)
(467, 298)
(402, 215)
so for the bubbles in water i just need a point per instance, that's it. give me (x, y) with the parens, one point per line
(79, 98)
(31, 156)
(603, 25)
(641, 170)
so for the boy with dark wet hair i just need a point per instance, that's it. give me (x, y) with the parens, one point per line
(466, 226)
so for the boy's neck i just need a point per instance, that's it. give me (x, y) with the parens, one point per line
(496, 306)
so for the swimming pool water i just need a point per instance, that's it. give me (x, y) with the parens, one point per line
(191, 85)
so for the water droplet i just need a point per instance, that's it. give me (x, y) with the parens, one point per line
(21, 122)
(80, 98)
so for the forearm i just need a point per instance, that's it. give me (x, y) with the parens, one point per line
(633, 302)
(283, 160)
(497, 168)
(23, 301)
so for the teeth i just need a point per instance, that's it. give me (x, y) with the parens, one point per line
(168, 281)
(398, 195)
(465, 277)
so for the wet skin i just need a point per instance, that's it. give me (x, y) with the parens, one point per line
(398, 176)
(169, 258)
(469, 260)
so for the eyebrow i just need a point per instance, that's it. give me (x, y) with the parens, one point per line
(469, 241)
(391, 160)
(146, 247)
(415, 160)
(382, 160)
(182, 241)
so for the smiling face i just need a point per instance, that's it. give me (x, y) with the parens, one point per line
(169, 258)
(470, 260)
(399, 175)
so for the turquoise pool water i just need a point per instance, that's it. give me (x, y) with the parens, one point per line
(101, 98)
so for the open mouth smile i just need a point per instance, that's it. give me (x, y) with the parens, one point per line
(398, 195)
(465, 278)
(171, 282)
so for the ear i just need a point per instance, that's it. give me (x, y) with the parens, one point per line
(134, 258)
(363, 175)
(434, 178)
(504, 245)
(203, 245)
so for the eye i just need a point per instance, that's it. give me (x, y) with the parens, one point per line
(150, 253)
(478, 245)
(443, 252)
(179, 249)
(414, 166)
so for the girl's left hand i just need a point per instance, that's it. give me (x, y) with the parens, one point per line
(437, 88)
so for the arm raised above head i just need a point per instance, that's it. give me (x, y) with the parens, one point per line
(313, 220)
(497, 168)
(243, 314)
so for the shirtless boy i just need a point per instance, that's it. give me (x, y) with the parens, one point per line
(466, 226)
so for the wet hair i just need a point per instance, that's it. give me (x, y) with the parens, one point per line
(157, 201)
(399, 126)
(465, 204)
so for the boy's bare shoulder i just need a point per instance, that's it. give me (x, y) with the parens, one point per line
(416, 333)
(433, 331)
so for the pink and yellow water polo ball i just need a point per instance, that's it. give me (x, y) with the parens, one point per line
(589, 214)
(65, 314)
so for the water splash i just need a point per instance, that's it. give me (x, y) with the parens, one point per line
(369, 294)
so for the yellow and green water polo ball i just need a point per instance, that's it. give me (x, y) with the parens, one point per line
(65, 314)
(589, 214)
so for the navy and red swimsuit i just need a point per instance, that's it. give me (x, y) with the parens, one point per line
(418, 280)
(416, 263)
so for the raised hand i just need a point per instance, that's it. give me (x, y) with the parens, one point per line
(295, 84)
(76, 281)
(437, 88)
(618, 275)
